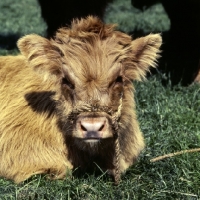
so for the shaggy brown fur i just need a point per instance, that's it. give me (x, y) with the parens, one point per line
(83, 77)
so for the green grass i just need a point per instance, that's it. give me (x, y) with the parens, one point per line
(170, 121)
(169, 118)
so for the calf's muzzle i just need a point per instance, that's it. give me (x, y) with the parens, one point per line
(93, 128)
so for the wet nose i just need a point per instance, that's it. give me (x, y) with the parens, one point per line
(90, 126)
(93, 127)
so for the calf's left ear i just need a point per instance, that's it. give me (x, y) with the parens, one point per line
(41, 54)
(145, 52)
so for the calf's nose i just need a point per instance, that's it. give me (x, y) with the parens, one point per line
(93, 127)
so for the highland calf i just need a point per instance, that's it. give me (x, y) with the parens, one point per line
(68, 102)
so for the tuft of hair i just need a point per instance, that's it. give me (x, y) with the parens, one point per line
(87, 27)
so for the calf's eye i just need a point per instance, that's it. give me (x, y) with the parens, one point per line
(119, 79)
(69, 84)
(118, 82)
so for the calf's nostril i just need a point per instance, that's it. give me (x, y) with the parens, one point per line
(101, 128)
(83, 128)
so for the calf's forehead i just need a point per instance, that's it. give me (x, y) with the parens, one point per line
(96, 59)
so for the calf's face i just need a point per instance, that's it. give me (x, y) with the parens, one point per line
(93, 66)
(93, 84)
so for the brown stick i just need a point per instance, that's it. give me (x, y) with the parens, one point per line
(174, 154)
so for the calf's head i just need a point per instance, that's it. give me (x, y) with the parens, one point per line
(93, 67)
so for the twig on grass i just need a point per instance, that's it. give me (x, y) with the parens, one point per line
(179, 193)
(174, 154)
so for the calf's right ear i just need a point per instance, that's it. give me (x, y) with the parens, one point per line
(41, 54)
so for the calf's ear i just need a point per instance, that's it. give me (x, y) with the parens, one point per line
(145, 52)
(41, 54)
